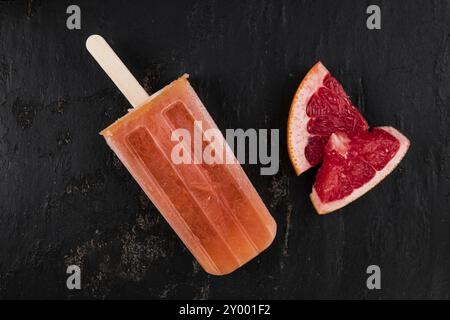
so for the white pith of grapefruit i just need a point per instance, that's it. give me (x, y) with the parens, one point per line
(298, 119)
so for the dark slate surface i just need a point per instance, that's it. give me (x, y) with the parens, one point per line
(66, 199)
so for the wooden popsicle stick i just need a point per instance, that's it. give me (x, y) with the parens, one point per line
(116, 70)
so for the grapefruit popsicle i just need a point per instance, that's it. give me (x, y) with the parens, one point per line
(213, 208)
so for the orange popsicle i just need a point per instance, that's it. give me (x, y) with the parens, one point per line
(213, 208)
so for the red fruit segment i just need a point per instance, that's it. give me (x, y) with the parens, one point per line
(319, 108)
(376, 148)
(330, 110)
(314, 149)
(354, 163)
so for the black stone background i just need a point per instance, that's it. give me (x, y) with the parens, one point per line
(66, 199)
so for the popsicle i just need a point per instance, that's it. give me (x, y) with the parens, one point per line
(213, 208)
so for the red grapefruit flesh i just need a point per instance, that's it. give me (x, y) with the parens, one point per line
(319, 108)
(354, 163)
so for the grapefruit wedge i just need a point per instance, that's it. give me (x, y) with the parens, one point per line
(320, 107)
(353, 163)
